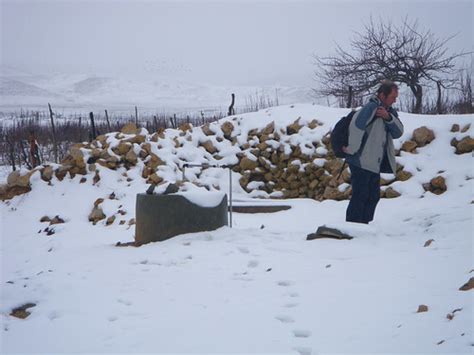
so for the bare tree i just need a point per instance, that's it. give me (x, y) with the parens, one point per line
(402, 53)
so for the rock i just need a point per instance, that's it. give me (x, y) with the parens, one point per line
(129, 128)
(98, 202)
(438, 185)
(403, 175)
(423, 136)
(8, 192)
(428, 243)
(138, 139)
(78, 157)
(247, 164)
(123, 147)
(83, 180)
(328, 232)
(47, 173)
(391, 193)
(131, 222)
(455, 128)
(227, 128)
(409, 146)
(333, 193)
(154, 179)
(21, 312)
(96, 215)
(422, 308)
(16, 179)
(466, 128)
(185, 127)
(209, 147)
(56, 220)
(465, 145)
(96, 178)
(112, 162)
(154, 161)
(269, 128)
(314, 123)
(294, 127)
(45, 219)
(131, 157)
(207, 130)
(110, 220)
(468, 285)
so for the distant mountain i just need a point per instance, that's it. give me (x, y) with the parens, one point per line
(11, 87)
(81, 92)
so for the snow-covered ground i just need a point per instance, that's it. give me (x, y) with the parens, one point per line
(259, 287)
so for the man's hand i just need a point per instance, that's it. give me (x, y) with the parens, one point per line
(382, 112)
(345, 150)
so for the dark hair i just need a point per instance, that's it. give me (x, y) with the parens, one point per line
(386, 87)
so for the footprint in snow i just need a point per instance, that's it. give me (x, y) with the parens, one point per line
(243, 250)
(290, 305)
(285, 319)
(112, 318)
(304, 351)
(285, 283)
(252, 263)
(293, 294)
(301, 333)
(124, 302)
(53, 315)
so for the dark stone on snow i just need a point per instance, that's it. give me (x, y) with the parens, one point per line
(327, 232)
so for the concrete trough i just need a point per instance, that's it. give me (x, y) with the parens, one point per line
(160, 217)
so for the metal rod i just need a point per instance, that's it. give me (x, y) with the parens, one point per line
(230, 195)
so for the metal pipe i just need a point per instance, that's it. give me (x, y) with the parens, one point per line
(230, 195)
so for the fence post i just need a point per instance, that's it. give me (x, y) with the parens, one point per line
(108, 122)
(55, 144)
(94, 134)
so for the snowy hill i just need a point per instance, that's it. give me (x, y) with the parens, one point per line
(73, 93)
(259, 287)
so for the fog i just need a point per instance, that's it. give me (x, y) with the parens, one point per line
(214, 42)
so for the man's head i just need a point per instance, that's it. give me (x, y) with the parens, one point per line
(387, 93)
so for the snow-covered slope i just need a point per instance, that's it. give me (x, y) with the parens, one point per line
(73, 93)
(259, 287)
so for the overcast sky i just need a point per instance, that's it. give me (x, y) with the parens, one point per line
(218, 42)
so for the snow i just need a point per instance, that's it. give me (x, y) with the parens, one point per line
(259, 287)
(203, 199)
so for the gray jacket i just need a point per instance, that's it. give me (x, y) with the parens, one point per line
(377, 154)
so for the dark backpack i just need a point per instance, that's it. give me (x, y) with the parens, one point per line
(340, 135)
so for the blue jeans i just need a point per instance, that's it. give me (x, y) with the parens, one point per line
(365, 195)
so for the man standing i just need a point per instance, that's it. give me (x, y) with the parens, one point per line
(370, 151)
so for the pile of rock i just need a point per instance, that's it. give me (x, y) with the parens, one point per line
(281, 162)
(465, 144)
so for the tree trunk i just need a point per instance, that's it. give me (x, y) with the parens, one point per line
(417, 91)
(439, 104)
(349, 97)
(231, 107)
